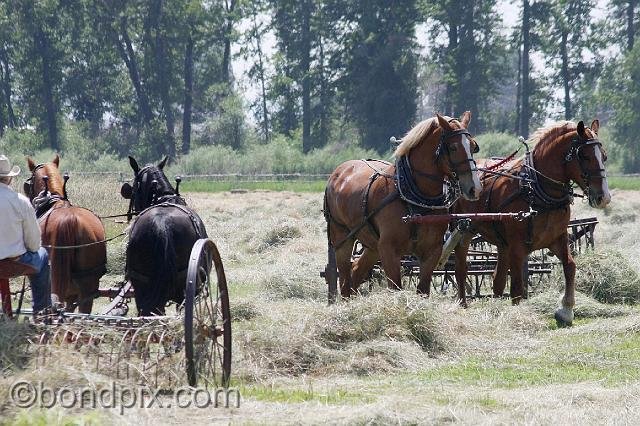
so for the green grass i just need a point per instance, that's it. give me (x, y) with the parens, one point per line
(283, 395)
(615, 182)
(217, 186)
(624, 182)
(568, 359)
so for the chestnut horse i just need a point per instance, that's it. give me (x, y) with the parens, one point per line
(367, 200)
(74, 236)
(564, 153)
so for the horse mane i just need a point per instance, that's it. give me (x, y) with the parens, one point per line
(415, 136)
(56, 184)
(545, 135)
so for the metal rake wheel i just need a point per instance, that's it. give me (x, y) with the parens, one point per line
(207, 318)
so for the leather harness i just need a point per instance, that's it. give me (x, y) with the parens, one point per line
(530, 187)
(406, 189)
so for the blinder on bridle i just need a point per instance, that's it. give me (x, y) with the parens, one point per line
(575, 151)
(29, 185)
(443, 148)
(130, 192)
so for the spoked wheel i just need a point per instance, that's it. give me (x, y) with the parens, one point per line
(207, 319)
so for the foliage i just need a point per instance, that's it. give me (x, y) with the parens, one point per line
(621, 90)
(473, 55)
(381, 72)
(497, 145)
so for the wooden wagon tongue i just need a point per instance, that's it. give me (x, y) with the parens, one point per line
(474, 217)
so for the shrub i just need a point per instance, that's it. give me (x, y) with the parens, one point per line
(496, 145)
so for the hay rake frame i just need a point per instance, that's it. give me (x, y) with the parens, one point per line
(152, 350)
(481, 259)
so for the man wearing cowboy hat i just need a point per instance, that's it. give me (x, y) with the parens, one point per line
(20, 235)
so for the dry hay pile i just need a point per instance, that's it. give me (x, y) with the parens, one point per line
(607, 276)
(384, 331)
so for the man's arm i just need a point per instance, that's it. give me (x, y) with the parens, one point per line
(30, 228)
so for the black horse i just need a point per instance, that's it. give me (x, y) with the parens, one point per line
(160, 239)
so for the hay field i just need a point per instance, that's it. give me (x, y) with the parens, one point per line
(387, 358)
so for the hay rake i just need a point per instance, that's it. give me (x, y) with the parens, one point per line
(160, 351)
(481, 259)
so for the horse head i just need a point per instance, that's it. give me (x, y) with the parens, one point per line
(455, 154)
(585, 164)
(44, 176)
(150, 185)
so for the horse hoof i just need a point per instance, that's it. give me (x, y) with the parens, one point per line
(563, 321)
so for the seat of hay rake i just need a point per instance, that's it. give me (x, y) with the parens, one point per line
(10, 268)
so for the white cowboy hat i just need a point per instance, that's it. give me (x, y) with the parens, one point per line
(5, 168)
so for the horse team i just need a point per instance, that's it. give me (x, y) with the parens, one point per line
(434, 172)
(366, 200)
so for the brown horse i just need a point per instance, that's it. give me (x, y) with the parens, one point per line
(367, 200)
(74, 235)
(542, 181)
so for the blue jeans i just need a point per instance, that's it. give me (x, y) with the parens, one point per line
(41, 280)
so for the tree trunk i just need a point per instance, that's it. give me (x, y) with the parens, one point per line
(565, 75)
(128, 56)
(226, 56)
(48, 95)
(518, 123)
(525, 114)
(631, 11)
(6, 88)
(188, 95)
(263, 84)
(468, 96)
(2, 104)
(452, 49)
(163, 71)
(305, 62)
(323, 136)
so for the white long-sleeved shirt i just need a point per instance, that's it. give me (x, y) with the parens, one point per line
(19, 229)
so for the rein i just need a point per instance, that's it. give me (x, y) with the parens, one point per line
(106, 240)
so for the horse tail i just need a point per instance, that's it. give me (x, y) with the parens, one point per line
(327, 214)
(62, 259)
(164, 274)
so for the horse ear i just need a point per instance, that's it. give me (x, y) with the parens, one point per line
(163, 162)
(465, 119)
(134, 164)
(31, 164)
(595, 126)
(581, 129)
(56, 161)
(443, 122)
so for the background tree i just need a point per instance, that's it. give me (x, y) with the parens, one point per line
(380, 81)
(473, 56)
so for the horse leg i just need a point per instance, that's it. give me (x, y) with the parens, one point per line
(343, 262)
(500, 273)
(429, 252)
(361, 268)
(70, 303)
(391, 265)
(88, 288)
(461, 251)
(517, 258)
(560, 247)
